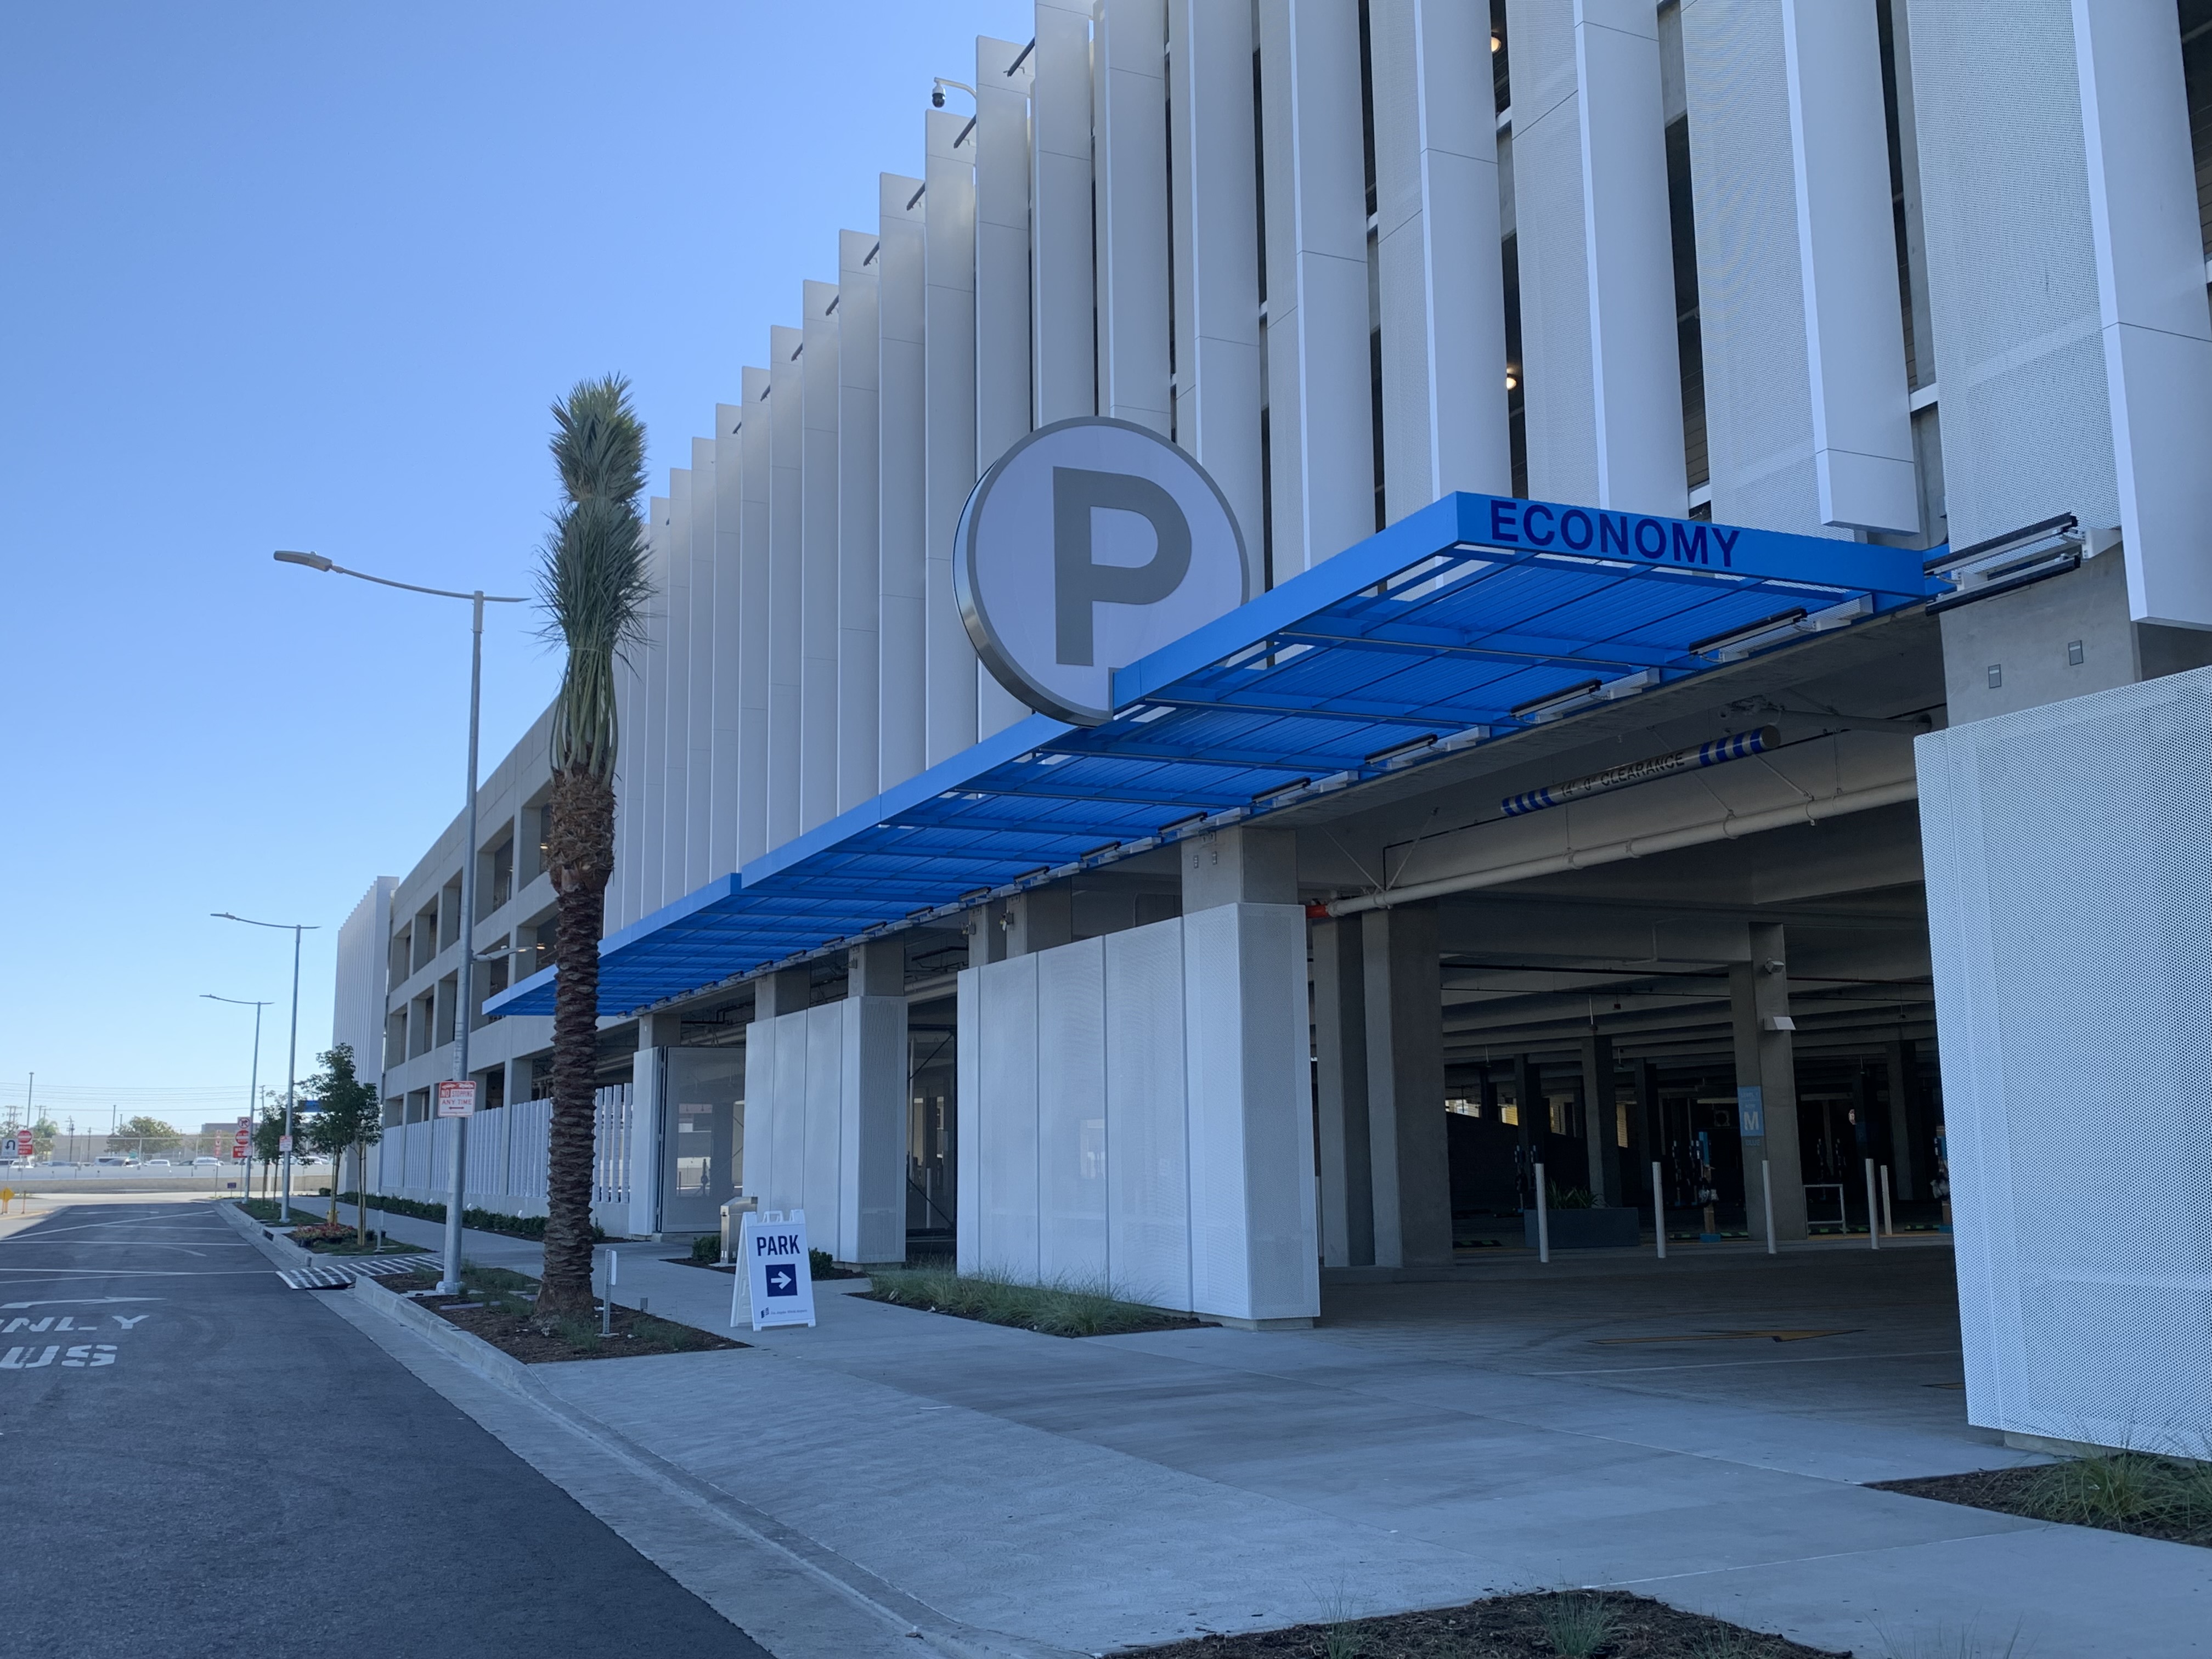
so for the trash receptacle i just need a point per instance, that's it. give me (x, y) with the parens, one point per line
(734, 1220)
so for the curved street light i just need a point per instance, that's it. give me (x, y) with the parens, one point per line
(456, 1202)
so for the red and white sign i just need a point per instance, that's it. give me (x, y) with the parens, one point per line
(24, 1147)
(284, 1142)
(242, 1141)
(457, 1099)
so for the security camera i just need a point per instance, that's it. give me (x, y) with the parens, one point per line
(1773, 965)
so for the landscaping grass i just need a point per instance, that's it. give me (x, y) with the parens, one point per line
(508, 1300)
(1065, 1308)
(1570, 1624)
(2138, 1492)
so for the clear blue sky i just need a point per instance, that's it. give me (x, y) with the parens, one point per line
(285, 275)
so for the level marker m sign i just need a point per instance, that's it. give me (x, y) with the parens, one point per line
(776, 1270)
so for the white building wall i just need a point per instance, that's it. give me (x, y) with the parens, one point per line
(819, 598)
(1603, 389)
(902, 378)
(1129, 190)
(652, 780)
(1214, 199)
(787, 576)
(860, 525)
(2062, 844)
(756, 615)
(825, 1123)
(1003, 77)
(1135, 1112)
(364, 959)
(699, 696)
(1062, 294)
(1319, 407)
(1440, 285)
(949, 435)
(727, 722)
(674, 749)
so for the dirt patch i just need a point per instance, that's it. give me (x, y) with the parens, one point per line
(1607, 1625)
(2134, 1492)
(496, 1307)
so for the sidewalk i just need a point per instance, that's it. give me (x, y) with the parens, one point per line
(1426, 1444)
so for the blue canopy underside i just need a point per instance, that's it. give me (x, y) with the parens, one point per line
(1437, 628)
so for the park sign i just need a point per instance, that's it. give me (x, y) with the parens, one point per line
(777, 1272)
(1089, 544)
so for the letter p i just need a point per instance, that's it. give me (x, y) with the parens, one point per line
(1078, 582)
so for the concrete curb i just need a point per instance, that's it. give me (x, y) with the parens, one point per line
(271, 1243)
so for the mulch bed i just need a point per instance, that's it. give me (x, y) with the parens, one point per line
(635, 1334)
(2026, 1492)
(1505, 1627)
(818, 1274)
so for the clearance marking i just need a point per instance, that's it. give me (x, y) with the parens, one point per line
(1721, 1336)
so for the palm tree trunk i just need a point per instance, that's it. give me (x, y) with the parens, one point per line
(579, 839)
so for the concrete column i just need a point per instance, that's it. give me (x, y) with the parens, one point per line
(1039, 920)
(1905, 1156)
(725, 649)
(1534, 1118)
(672, 754)
(1406, 1087)
(1003, 72)
(1654, 1126)
(820, 572)
(1129, 193)
(987, 934)
(1600, 1133)
(1061, 293)
(1759, 994)
(1339, 1015)
(787, 991)
(1240, 866)
(878, 969)
(660, 1030)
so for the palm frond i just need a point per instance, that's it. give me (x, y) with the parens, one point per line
(594, 583)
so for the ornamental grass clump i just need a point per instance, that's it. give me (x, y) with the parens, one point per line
(1057, 1308)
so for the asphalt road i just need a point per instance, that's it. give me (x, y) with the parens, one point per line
(194, 1459)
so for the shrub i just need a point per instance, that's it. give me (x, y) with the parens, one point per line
(708, 1247)
(1061, 1307)
(488, 1221)
(1578, 1626)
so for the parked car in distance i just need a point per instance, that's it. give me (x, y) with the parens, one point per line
(210, 1163)
(157, 1163)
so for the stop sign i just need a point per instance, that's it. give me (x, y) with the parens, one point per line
(23, 1145)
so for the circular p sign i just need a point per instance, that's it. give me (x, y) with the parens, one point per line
(1087, 545)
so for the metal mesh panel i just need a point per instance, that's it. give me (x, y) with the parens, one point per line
(1006, 1122)
(1071, 1131)
(2068, 853)
(1148, 1172)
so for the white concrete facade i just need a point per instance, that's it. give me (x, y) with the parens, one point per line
(1841, 268)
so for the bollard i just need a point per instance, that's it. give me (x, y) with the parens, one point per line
(1873, 1232)
(1543, 1220)
(1766, 1182)
(1658, 1210)
(1888, 1217)
(607, 1300)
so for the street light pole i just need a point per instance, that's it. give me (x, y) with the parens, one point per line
(252, 1088)
(292, 1057)
(456, 1201)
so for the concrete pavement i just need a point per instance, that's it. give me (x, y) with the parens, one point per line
(201, 1462)
(1601, 1421)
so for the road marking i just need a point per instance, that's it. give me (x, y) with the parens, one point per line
(1722, 1336)
(1738, 1364)
(94, 1354)
(51, 1322)
(75, 1301)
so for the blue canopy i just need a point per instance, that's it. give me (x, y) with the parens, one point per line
(1476, 617)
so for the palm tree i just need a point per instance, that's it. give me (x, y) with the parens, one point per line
(594, 586)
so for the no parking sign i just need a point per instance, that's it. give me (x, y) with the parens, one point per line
(774, 1247)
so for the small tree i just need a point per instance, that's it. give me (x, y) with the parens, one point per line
(351, 1120)
(144, 1135)
(268, 1142)
(42, 1135)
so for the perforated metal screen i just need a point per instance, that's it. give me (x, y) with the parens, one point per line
(2069, 858)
